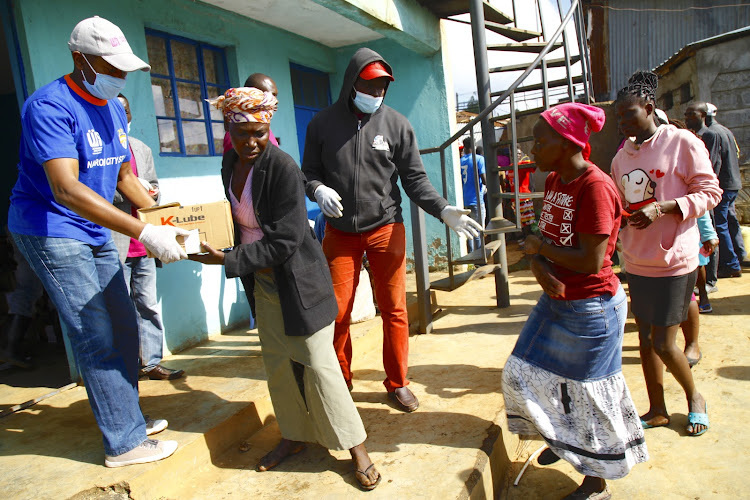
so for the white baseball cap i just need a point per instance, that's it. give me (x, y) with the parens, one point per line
(98, 37)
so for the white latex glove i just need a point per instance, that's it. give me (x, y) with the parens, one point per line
(162, 241)
(458, 219)
(329, 201)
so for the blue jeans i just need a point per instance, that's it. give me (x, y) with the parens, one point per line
(140, 278)
(577, 339)
(475, 243)
(727, 227)
(86, 285)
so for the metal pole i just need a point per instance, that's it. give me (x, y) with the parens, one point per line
(421, 270)
(476, 9)
(545, 90)
(568, 73)
(588, 76)
(583, 50)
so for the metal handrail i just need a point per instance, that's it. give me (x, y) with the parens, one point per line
(512, 88)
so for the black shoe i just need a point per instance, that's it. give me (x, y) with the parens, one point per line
(729, 273)
(160, 372)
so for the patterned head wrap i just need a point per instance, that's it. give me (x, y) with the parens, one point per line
(246, 104)
(641, 84)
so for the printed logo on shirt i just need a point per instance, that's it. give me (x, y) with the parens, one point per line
(104, 162)
(638, 188)
(123, 138)
(556, 219)
(95, 141)
(380, 144)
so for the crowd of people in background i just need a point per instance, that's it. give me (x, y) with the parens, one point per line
(669, 200)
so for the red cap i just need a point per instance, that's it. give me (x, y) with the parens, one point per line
(375, 70)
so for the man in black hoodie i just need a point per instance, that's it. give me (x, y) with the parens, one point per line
(355, 151)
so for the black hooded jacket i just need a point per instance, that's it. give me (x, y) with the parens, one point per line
(362, 159)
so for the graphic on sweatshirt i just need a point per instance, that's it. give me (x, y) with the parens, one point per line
(638, 188)
(380, 144)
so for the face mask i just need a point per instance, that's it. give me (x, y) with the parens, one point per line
(105, 87)
(367, 103)
(128, 128)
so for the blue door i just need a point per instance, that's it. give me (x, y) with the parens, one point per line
(311, 91)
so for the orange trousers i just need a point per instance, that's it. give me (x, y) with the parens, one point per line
(386, 252)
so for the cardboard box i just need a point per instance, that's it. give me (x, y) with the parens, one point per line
(212, 221)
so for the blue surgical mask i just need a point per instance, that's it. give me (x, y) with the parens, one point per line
(105, 87)
(367, 103)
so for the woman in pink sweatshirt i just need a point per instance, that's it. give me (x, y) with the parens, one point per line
(665, 180)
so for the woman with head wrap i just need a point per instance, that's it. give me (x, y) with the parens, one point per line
(564, 379)
(289, 288)
(665, 180)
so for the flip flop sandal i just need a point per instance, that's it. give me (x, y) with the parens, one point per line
(694, 361)
(372, 486)
(698, 418)
(705, 309)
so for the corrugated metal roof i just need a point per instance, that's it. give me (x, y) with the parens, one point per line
(650, 31)
(685, 51)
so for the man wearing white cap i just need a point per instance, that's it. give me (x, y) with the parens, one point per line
(74, 153)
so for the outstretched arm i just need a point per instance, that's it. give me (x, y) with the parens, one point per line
(62, 175)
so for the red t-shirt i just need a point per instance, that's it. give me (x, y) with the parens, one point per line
(589, 204)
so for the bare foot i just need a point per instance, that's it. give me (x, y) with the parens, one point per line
(696, 405)
(693, 353)
(284, 449)
(654, 419)
(365, 471)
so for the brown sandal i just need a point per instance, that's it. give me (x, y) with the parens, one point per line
(368, 487)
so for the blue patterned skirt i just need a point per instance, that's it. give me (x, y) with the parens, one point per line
(564, 382)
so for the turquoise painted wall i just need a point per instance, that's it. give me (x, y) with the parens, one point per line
(197, 300)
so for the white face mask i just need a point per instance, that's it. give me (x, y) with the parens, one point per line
(105, 86)
(367, 103)
(128, 128)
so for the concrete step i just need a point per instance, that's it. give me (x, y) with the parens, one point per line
(222, 400)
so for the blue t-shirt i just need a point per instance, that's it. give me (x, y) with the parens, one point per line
(62, 121)
(467, 178)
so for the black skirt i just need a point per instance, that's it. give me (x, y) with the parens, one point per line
(661, 301)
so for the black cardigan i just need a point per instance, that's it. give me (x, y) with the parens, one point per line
(288, 245)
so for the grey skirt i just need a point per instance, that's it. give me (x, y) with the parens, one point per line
(661, 301)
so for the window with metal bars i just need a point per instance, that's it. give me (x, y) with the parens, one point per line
(184, 73)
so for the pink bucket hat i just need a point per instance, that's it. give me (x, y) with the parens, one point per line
(575, 121)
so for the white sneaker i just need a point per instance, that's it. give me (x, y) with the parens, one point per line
(150, 450)
(155, 426)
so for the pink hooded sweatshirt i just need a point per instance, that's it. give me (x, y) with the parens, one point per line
(672, 164)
